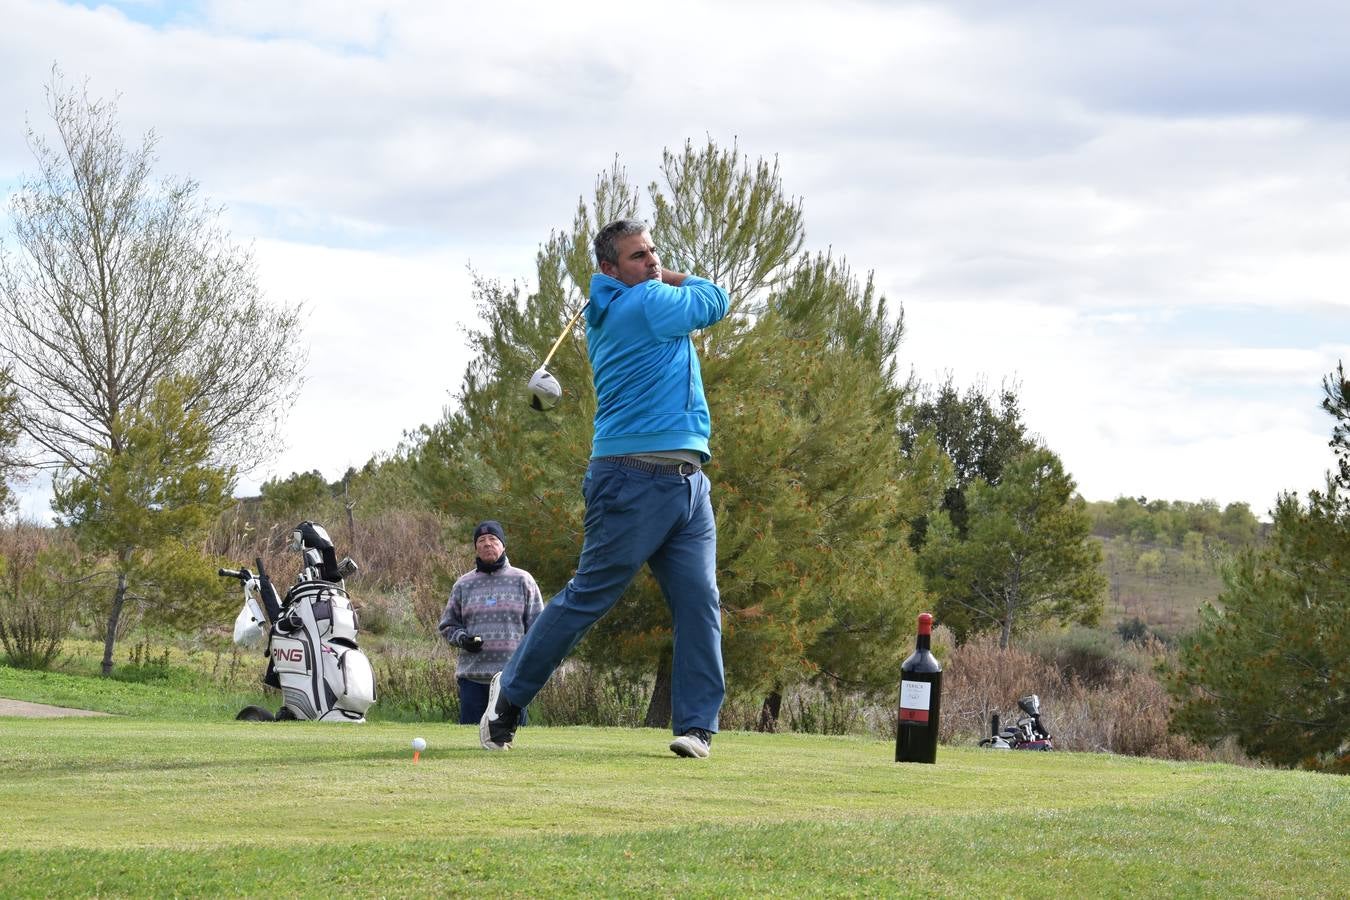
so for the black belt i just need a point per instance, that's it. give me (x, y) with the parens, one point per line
(632, 462)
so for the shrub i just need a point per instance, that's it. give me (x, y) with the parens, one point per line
(824, 710)
(1133, 630)
(393, 548)
(144, 664)
(417, 682)
(1137, 631)
(580, 695)
(740, 712)
(35, 608)
(1119, 707)
(239, 668)
(380, 613)
(396, 548)
(431, 588)
(1091, 656)
(1128, 716)
(980, 679)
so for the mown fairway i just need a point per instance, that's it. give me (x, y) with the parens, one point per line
(121, 806)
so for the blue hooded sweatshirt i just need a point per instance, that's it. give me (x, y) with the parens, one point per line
(648, 385)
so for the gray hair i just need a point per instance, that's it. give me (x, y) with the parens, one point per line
(605, 251)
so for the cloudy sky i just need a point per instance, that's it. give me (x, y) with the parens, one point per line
(1140, 212)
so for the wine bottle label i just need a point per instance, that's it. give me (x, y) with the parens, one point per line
(914, 701)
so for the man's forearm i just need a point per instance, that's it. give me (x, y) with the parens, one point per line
(674, 279)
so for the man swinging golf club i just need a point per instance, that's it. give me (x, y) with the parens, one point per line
(647, 499)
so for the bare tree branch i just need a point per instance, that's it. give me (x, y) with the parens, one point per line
(120, 282)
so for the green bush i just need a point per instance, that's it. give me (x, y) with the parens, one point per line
(35, 608)
(1135, 630)
(375, 615)
(144, 665)
(1089, 655)
(1139, 633)
(824, 710)
(416, 683)
(580, 695)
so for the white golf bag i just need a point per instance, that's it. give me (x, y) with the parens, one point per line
(309, 636)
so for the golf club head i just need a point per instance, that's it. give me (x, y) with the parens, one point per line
(545, 392)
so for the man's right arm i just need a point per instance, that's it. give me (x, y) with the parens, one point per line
(674, 311)
(452, 623)
(452, 619)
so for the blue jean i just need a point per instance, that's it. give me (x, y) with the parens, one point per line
(635, 517)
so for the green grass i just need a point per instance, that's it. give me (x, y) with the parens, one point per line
(131, 806)
(173, 797)
(169, 682)
(181, 694)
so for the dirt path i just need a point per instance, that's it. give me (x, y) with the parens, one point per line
(40, 710)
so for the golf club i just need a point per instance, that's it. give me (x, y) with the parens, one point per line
(545, 391)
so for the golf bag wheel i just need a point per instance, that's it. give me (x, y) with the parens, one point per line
(254, 714)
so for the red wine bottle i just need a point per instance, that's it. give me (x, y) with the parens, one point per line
(916, 729)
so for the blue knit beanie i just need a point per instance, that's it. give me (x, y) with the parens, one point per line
(491, 526)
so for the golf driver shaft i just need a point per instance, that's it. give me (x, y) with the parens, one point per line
(567, 328)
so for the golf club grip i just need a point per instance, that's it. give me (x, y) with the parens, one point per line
(558, 343)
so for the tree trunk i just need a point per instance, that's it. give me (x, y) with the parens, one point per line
(658, 710)
(769, 712)
(118, 599)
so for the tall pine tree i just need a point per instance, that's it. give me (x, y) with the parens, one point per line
(1269, 663)
(146, 511)
(1027, 555)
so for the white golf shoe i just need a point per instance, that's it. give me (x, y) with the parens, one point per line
(497, 728)
(693, 744)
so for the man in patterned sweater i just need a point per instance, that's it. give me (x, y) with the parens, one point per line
(490, 610)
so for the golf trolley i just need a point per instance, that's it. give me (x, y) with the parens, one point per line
(309, 637)
(1027, 734)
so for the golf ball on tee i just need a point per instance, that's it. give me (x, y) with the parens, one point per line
(419, 745)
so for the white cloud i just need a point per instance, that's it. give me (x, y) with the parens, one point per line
(386, 349)
(344, 24)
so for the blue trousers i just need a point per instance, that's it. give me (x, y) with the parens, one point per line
(635, 517)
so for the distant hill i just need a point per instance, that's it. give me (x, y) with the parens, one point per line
(1158, 585)
(1163, 558)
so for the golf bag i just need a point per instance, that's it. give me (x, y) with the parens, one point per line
(1028, 734)
(308, 637)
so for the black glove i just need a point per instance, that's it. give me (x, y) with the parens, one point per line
(471, 643)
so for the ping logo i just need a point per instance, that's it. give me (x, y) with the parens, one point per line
(289, 654)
